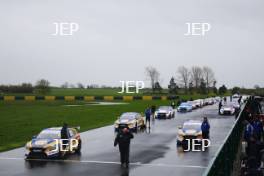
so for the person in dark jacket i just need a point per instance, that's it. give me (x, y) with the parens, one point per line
(205, 128)
(64, 135)
(220, 106)
(123, 141)
(257, 128)
(148, 116)
(153, 109)
(248, 133)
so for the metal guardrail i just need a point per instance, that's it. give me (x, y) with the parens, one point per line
(222, 163)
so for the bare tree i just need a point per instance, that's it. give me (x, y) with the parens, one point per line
(42, 86)
(65, 85)
(153, 75)
(209, 77)
(196, 75)
(80, 85)
(184, 76)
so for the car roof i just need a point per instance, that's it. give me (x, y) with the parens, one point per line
(130, 114)
(53, 129)
(164, 107)
(185, 103)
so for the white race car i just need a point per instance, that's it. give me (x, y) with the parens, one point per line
(227, 110)
(164, 112)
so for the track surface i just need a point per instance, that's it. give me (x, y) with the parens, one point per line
(152, 153)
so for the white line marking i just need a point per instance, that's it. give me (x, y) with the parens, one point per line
(107, 162)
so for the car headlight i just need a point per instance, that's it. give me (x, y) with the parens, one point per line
(180, 137)
(199, 135)
(131, 125)
(52, 147)
(116, 123)
(28, 146)
(180, 133)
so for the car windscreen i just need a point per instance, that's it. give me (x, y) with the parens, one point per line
(49, 134)
(127, 117)
(196, 127)
(164, 108)
(228, 106)
(185, 104)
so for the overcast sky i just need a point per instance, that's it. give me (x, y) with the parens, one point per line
(117, 39)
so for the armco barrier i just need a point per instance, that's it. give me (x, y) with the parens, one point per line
(86, 98)
(222, 163)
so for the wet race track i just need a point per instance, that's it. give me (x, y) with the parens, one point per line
(152, 152)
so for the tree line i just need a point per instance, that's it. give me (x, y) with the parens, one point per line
(195, 79)
(42, 86)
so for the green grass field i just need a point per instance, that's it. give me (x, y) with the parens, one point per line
(99, 92)
(82, 92)
(20, 120)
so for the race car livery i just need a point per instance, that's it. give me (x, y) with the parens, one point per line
(131, 120)
(191, 129)
(48, 143)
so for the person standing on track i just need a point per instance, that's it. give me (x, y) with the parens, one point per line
(123, 141)
(220, 106)
(148, 116)
(205, 128)
(64, 135)
(173, 104)
(153, 109)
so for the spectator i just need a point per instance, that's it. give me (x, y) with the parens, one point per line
(257, 128)
(148, 115)
(205, 128)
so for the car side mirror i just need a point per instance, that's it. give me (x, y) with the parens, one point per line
(179, 127)
(34, 137)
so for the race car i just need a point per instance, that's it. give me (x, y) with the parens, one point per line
(210, 101)
(48, 144)
(227, 109)
(191, 129)
(185, 107)
(198, 103)
(131, 120)
(164, 112)
(193, 104)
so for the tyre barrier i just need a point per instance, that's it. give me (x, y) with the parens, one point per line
(86, 98)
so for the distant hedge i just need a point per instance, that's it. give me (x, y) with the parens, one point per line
(23, 88)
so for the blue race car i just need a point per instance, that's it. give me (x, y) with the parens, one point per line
(184, 107)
